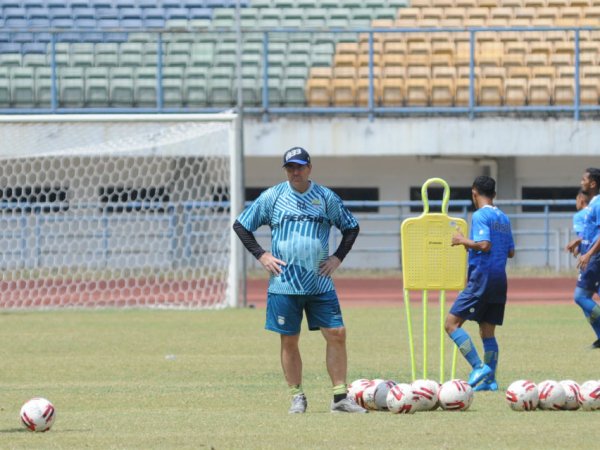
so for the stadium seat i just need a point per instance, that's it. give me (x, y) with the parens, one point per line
(22, 87)
(195, 89)
(442, 91)
(343, 92)
(121, 86)
(144, 87)
(43, 86)
(515, 92)
(82, 55)
(71, 87)
(539, 91)
(490, 92)
(96, 87)
(522, 72)
(416, 92)
(318, 91)
(293, 92)
(462, 92)
(564, 92)
(589, 91)
(362, 91)
(392, 91)
(219, 92)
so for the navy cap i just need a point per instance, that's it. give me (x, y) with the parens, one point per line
(296, 155)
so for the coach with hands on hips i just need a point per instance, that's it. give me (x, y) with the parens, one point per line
(300, 214)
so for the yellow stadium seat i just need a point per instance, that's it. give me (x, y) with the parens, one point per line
(465, 72)
(363, 47)
(519, 72)
(462, 91)
(442, 3)
(509, 36)
(501, 13)
(493, 72)
(362, 91)
(417, 60)
(394, 48)
(417, 92)
(564, 47)
(394, 60)
(441, 59)
(488, 59)
(515, 92)
(564, 92)
(451, 23)
(343, 92)
(318, 92)
(520, 22)
(557, 3)
(442, 91)
(392, 91)
(512, 3)
(524, 13)
(534, 3)
(587, 59)
(418, 48)
(344, 72)
(516, 47)
(547, 72)
(347, 48)
(474, 22)
(321, 72)
(513, 59)
(588, 92)
(536, 59)
(454, 13)
(539, 91)
(438, 72)
(382, 23)
(561, 59)
(404, 22)
(572, 13)
(394, 72)
(540, 47)
(413, 14)
(550, 12)
(465, 3)
(363, 72)
(432, 13)
(591, 72)
(555, 36)
(487, 3)
(478, 13)
(363, 60)
(566, 72)
(421, 3)
(593, 12)
(345, 60)
(414, 72)
(581, 3)
(589, 47)
(428, 23)
(498, 22)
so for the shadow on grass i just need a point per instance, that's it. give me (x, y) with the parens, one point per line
(62, 430)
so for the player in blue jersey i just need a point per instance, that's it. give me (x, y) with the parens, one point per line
(581, 202)
(588, 246)
(483, 300)
(300, 214)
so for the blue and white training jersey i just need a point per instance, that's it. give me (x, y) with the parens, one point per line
(300, 225)
(591, 228)
(487, 270)
(579, 222)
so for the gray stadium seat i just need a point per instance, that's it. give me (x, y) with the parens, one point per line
(22, 87)
(121, 86)
(172, 85)
(71, 87)
(4, 88)
(96, 87)
(195, 92)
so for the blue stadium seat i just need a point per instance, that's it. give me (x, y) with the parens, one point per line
(176, 13)
(200, 13)
(21, 37)
(10, 47)
(34, 47)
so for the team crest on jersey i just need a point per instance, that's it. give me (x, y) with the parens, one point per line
(315, 202)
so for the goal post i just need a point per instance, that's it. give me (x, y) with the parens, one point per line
(119, 211)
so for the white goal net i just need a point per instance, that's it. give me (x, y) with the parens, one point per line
(119, 211)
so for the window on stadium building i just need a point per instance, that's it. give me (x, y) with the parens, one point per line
(436, 193)
(549, 193)
(119, 199)
(345, 193)
(38, 198)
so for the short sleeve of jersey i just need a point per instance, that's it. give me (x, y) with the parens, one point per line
(338, 214)
(257, 214)
(480, 227)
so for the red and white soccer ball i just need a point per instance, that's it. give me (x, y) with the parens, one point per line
(455, 395)
(401, 400)
(356, 389)
(426, 392)
(38, 414)
(522, 395)
(381, 394)
(590, 395)
(368, 394)
(552, 395)
(572, 392)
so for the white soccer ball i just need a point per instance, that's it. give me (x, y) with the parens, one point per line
(455, 395)
(38, 414)
(401, 400)
(381, 394)
(426, 392)
(572, 392)
(590, 395)
(356, 388)
(522, 395)
(368, 394)
(552, 395)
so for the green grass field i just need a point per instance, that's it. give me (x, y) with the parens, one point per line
(212, 379)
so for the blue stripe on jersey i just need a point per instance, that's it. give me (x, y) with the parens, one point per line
(300, 224)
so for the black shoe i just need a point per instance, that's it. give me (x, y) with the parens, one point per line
(595, 344)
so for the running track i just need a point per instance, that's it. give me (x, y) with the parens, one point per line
(388, 291)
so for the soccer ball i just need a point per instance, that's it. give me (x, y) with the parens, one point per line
(522, 395)
(552, 395)
(401, 400)
(381, 394)
(426, 392)
(455, 395)
(573, 393)
(590, 395)
(38, 414)
(356, 388)
(368, 394)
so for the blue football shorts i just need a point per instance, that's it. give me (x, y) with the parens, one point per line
(589, 279)
(285, 312)
(474, 308)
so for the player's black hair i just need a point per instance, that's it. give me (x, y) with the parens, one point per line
(594, 175)
(485, 185)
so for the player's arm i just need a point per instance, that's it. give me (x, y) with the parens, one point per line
(268, 261)
(511, 252)
(573, 246)
(584, 259)
(327, 267)
(481, 246)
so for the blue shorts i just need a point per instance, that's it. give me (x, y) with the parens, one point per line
(474, 308)
(589, 279)
(285, 312)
